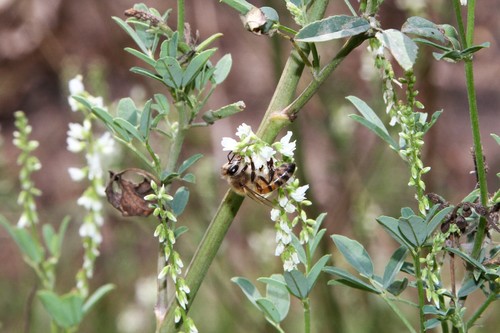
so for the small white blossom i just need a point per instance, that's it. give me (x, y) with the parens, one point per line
(75, 85)
(279, 249)
(106, 144)
(289, 265)
(463, 2)
(74, 145)
(285, 147)
(229, 144)
(95, 166)
(299, 194)
(77, 174)
(244, 131)
(89, 203)
(275, 214)
(23, 221)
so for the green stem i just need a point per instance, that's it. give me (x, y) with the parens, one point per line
(180, 19)
(313, 87)
(399, 314)
(307, 315)
(458, 14)
(492, 297)
(476, 133)
(420, 289)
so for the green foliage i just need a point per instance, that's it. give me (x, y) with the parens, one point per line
(333, 27)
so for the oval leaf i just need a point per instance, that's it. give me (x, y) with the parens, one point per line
(222, 68)
(279, 295)
(394, 266)
(296, 283)
(180, 200)
(348, 279)
(401, 47)
(248, 289)
(170, 71)
(421, 27)
(355, 254)
(333, 27)
(66, 310)
(269, 310)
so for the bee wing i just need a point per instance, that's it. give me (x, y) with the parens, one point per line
(258, 197)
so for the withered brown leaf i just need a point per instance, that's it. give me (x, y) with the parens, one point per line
(127, 195)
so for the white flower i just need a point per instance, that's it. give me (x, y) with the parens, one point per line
(78, 131)
(299, 194)
(77, 174)
(23, 221)
(96, 101)
(267, 152)
(244, 131)
(95, 166)
(90, 230)
(228, 144)
(89, 203)
(284, 226)
(275, 214)
(75, 85)
(74, 145)
(106, 143)
(279, 249)
(463, 2)
(289, 265)
(285, 147)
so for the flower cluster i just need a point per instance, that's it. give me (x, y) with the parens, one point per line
(81, 139)
(29, 164)
(160, 201)
(291, 197)
(411, 122)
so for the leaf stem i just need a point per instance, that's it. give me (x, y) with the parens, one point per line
(307, 315)
(491, 297)
(399, 314)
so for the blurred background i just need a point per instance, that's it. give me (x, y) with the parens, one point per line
(353, 176)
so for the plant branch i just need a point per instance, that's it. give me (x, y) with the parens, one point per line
(491, 297)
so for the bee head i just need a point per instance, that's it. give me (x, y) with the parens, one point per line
(232, 167)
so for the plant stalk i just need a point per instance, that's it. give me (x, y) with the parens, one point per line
(420, 289)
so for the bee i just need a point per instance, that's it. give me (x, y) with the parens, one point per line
(245, 179)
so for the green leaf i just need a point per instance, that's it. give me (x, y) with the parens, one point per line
(296, 283)
(333, 27)
(313, 245)
(276, 279)
(431, 323)
(279, 296)
(468, 287)
(170, 71)
(222, 68)
(424, 28)
(167, 177)
(433, 120)
(394, 266)
(468, 259)
(496, 137)
(301, 253)
(180, 200)
(407, 212)
(248, 289)
(187, 163)
(312, 276)
(473, 49)
(180, 230)
(97, 296)
(349, 280)
(129, 128)
(397, 287)
(145, 121)
(169, 47)
(355, 254)
(189, 177)
(50, 239)
(66, 310)
(390, 224)
(61, 234)
(437, 219)
(224, 112)
(371, 121)
(414, 230)
(127, 110)
(269, 310)
(401, 47)
(146, 73)
(144, 57)
(195, 66)
(131, 32)
(29, 247)
(102, 114)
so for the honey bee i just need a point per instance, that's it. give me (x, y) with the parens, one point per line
(245, 179)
